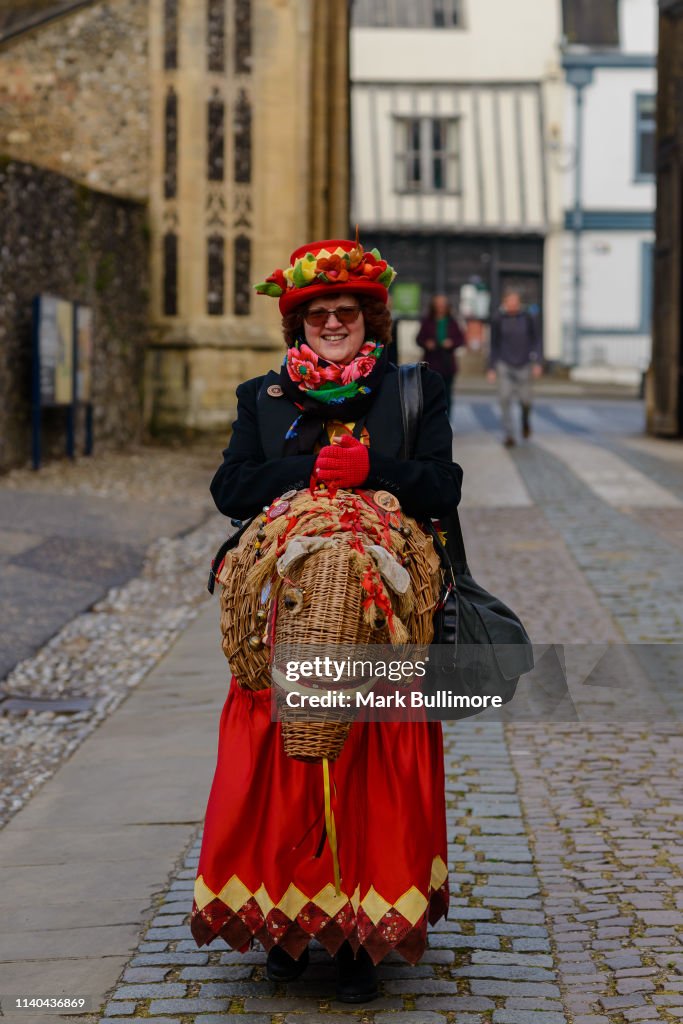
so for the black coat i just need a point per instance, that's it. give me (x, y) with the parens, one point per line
(254, 470)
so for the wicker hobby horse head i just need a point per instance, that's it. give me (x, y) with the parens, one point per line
(326, 569)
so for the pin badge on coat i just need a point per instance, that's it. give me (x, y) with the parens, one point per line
(386, 501)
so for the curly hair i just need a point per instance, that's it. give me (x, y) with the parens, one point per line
(375, 314)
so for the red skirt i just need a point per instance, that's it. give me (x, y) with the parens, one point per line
(266, 869)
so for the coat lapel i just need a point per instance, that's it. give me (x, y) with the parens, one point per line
(275, 415)
(384, 423)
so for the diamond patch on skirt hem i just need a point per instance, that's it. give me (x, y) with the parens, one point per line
(238, 916)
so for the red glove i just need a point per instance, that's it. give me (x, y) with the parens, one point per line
(345, 464)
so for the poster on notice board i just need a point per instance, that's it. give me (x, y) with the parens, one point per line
(55, 350)
(84, 353)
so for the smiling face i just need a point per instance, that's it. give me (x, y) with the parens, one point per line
(333, 340)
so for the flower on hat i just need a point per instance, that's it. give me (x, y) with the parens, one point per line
(336, 263)
(275, 285)
(304, 271)
(332, 268)
(278, 278)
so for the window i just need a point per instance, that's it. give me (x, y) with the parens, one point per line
(242, 36)
(215, 137)
(646, 124)
(170, 281)
(242, 126)
(242, 250)
(170, 34)
(591, 24)
(407, 14)
(215, 275)
(215, 35)
(444, 14)
(427, 157)
(170, 144)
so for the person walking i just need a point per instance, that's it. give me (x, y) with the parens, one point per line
(516, 358)
(266, 870)
(440, 335)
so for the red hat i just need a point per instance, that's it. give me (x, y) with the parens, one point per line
(332, 265)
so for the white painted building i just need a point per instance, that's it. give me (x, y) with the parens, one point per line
(607, 253)
(457, 110)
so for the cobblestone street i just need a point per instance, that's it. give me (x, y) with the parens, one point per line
(566, 835)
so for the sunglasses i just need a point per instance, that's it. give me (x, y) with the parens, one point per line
(344, 314)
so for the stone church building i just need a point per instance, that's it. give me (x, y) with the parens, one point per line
(156, 158)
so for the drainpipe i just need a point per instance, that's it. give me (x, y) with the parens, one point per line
(578, 76)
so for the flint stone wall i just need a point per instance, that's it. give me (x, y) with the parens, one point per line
(59, 237)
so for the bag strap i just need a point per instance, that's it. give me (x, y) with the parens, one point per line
(412, 401)
(459, 559)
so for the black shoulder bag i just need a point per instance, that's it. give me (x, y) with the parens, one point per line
(480, 646)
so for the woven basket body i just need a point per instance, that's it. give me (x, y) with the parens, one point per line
(332, 615)
(320, 599)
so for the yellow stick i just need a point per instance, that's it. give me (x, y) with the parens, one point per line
(331, 827)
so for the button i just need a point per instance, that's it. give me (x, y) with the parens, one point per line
(275, 391)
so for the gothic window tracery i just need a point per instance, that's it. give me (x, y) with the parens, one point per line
(170, 34)
(242, 283)
(215, 298)
(215, 30)
(242, 125)
(243, 36)
(223, 51)
(171, 144)
(216, 138)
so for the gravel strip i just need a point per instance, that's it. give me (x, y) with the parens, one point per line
(141, 473)
(100, 656)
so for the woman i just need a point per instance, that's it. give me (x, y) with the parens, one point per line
(439, 336)
(331, 416)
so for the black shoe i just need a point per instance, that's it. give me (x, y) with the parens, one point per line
(509, 442)
(280, 966)
(356, 977)
(526, 424)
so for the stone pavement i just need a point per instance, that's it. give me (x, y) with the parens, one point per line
(83, 863)
(76, 541)
(566, 837)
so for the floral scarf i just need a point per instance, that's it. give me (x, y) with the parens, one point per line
(323, 390)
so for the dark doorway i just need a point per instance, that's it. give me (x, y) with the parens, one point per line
(444, 263)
